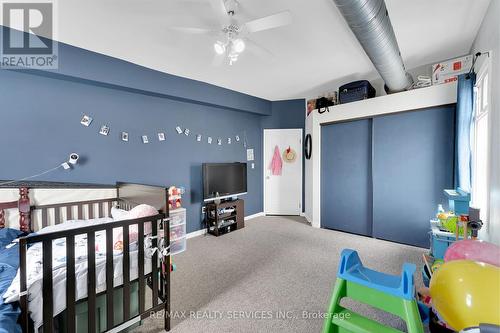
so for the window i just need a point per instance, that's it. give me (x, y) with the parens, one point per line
(480, 144)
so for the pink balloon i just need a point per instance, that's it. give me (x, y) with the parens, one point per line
(476, 250)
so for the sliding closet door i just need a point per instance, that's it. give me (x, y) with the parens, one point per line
(346, 177)
(412, 164)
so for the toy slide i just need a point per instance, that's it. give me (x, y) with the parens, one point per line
(393, 294)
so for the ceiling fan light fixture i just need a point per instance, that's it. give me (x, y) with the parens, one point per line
(219, 47)
(233, 57)
(238, 45)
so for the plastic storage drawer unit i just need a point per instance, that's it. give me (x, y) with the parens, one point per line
(178, 246)
(177, 230)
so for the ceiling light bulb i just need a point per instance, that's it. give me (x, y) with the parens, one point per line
(219, 47)
(239, 45)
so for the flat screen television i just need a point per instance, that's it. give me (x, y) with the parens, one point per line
(224, 180)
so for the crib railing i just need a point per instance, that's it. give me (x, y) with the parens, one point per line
(159, 276)
(53, 213)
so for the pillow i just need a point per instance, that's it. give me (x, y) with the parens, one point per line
(118, 214)
(143, 211)
(135, 213)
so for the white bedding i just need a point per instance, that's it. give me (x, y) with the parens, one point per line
(34, 268)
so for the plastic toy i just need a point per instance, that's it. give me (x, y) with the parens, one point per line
(424, 312)
(440, 241)
(465, 293)
(475, 224)
(426, 276)
(450, 224)
(436, 265)
(437, 325)
(458, 201)
(476, 250)
(175, 197)
(393, 294)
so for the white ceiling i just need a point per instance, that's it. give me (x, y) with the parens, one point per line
(316, 49)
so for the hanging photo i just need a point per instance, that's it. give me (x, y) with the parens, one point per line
(228, 141)
(86, 120)
(186, 131)
(145, 139)
(237, 138)
(161, 136)
(104, 130)
(209, 140)
(219, 142)
(125, 136)
(250, 156)
(198, 138)
(178, 129)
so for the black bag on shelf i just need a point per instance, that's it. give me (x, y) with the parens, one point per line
(323, 104)
(356, 91)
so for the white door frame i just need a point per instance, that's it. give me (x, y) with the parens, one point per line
(264, 168)
(485, 68)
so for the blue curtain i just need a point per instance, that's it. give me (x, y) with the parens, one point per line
(464, 123)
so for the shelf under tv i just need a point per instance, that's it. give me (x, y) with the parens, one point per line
(216, 223)
(224, 216)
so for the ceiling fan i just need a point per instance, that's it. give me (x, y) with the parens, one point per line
(233, 36)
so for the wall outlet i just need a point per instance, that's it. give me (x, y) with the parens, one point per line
(203, 210)
(253, 165)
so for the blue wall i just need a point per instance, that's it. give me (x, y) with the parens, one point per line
(286, 114)
(40, 116)
(41, 123)
(82, 65)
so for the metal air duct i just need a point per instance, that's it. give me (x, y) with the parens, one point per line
(370, 23)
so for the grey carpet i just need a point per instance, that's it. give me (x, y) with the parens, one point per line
(275, 265)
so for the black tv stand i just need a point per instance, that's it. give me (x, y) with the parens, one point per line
(224, 217)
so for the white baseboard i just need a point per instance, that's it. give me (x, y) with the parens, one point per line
(249, 217)
(196, 233)
(201, 232)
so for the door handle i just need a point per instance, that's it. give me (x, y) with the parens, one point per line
(267, 177)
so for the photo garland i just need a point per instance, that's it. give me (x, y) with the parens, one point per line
(105, 129)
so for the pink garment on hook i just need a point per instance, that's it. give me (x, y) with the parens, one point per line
(276, 163)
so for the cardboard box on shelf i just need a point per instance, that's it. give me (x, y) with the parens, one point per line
(448, 71)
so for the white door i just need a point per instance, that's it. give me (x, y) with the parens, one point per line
(283, 190)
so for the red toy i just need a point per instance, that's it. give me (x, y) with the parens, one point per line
(175, 197)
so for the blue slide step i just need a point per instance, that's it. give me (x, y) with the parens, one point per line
(351, 269)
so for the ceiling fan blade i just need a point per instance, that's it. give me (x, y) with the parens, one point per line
(219, 9)
(269, 22)
(258, 50)
(194, 30)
